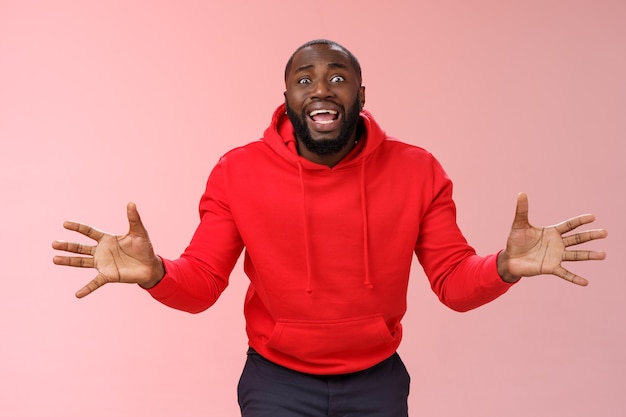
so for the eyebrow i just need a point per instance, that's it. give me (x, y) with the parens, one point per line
(330, 65)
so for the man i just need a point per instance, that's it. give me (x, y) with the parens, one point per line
(330, 211)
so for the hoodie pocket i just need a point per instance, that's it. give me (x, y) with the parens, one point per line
(310, 340)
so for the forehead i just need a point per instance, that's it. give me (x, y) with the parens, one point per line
(320, 55)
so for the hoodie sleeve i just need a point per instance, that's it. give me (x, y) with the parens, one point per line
(194, 282)
(461, 279)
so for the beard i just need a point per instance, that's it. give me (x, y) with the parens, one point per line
(326, 146)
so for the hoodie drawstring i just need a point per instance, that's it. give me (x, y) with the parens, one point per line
(366, 260)
(307, 246)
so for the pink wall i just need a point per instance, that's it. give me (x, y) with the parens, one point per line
(135, 100)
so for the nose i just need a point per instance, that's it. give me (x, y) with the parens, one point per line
(322, 89)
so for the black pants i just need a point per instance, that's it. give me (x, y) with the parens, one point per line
(270, 390)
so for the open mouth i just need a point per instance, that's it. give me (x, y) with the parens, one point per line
(324, 116)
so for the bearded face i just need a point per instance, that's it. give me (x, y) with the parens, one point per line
(326, 146)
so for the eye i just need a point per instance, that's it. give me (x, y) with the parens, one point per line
(337, 79)
(304, 81)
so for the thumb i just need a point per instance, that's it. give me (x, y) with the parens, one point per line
(521, 212)
(136, 227)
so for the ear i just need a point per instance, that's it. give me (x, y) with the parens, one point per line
(362, 92)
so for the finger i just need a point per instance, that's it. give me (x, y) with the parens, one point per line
(574, 222)
(75, 261)
(521, 212)
(84, 229)
(571, 277)
(584, 237)
(73, 247)
(95, 283)
(583, 255)
(136, 227)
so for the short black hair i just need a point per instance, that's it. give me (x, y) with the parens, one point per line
(355, 62)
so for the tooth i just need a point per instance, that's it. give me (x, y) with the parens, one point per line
(314, 112)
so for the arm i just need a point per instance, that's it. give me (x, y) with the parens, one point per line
(534, 250)
(463, 280)
(195, 281)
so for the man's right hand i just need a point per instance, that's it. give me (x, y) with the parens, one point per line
(128, 258)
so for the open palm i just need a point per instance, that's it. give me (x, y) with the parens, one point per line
(128, 258)
(534, 250)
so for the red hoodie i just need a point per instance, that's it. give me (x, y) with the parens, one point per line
(328, 250)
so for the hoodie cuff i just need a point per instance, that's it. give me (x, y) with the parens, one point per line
(497, 274)
(167, 286)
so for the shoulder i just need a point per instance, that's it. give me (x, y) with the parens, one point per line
(412, 161)
(399, 150)
(245, 153)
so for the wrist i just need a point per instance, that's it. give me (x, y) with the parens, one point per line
(158, 272)
(503, 269)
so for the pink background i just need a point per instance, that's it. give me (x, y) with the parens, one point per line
(106, 102)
